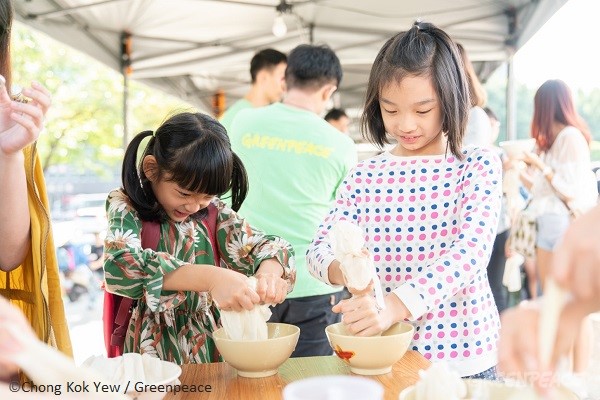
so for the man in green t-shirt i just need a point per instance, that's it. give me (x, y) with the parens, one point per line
(295, 162)
(267, 69)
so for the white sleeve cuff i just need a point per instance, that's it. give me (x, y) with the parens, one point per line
(412, 300)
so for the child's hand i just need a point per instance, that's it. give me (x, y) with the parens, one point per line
(367, 290)
(271, 288)
(231, 292)
(362, 317)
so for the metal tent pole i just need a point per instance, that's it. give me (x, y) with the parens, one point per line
(511, 101)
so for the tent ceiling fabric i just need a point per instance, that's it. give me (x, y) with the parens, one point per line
(191, 48)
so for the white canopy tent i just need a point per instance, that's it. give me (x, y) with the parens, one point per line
(192, 48)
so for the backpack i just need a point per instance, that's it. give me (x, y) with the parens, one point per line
(117, 309)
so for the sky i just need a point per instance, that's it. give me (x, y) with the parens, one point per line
(567, 47)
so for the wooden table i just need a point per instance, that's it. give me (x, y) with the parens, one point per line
(225, 384)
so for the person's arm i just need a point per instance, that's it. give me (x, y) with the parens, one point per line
(20, 125)
(229, 289)
(19, 347)
(576, 268)
(14, 211)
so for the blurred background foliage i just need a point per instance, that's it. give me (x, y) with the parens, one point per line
(84, 127)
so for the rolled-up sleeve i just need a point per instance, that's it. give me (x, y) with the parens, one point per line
(320, 253)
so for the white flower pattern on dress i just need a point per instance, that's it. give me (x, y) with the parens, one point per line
(241, 245)
(188, 229)
(117, 201)
(120, 239)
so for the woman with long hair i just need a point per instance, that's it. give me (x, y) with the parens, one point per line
(560, 177)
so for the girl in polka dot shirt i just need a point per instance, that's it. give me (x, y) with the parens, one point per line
(428, 209)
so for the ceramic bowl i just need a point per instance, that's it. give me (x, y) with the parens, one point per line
(515, 149)
(145, 372)
(259, 358)
(374, 355)
(494, 390)
(334, 387)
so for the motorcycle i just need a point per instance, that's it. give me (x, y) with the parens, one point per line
(77, 278)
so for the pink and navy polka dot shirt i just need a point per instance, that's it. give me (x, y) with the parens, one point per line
(429, 223)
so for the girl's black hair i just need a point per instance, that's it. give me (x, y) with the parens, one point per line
(192, 150)
(423, 50)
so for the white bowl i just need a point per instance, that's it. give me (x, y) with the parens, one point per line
(258, 358)
(515, 149)
(141, 370)
(370, 355)
(333, 387)
(495, 390)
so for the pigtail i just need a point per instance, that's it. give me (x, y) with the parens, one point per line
(239, 183)
(135, 182)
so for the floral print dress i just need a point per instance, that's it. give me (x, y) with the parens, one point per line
(177, 325)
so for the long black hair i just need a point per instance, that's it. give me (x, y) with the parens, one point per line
(192, 150)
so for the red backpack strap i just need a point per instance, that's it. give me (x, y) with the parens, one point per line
(150, 234)
(122, 310)
(210, 222)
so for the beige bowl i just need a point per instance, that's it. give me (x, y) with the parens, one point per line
(515, 149)
(260, 358)
(373, 355)
(493, 390)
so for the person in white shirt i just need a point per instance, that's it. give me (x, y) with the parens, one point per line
(560, 178)
(479, 130)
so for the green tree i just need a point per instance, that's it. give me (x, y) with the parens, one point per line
(586, 101)
(588, 104)
(496, 91)
(84, 127)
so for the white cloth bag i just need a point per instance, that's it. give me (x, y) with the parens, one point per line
(247, 325)
(347, 244)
